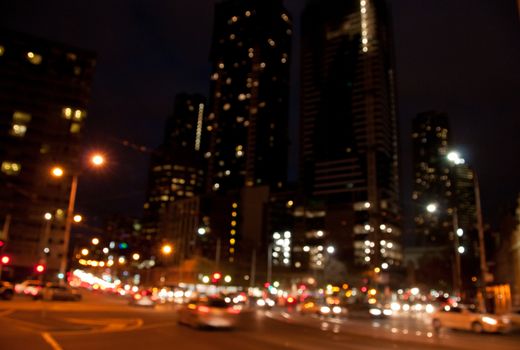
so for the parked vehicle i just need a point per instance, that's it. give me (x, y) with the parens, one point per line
(6, 290)
(212, 312)
(469, 318)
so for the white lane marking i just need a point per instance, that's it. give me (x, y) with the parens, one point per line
(50, 340)
(7, 312)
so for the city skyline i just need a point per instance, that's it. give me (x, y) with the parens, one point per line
(414, 94)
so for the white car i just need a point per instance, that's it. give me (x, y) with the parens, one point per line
(467, 318)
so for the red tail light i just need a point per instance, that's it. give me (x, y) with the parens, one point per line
(203, 309)
(137, 296)
(232, 310)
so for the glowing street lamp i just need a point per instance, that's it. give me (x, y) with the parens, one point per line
(47, 216)
(136, 256)
(166, 249)
(57, 171)
(84, 251)
(201, 231)
(97, 159)
(77, 218)
(431, 208)
(95, 241)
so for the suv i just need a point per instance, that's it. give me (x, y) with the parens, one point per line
(6, 290)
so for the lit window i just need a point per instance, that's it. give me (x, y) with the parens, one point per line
(75, 128)
(271, 42)
(67, 112)
(232, 241)
(232, 36)
(248, 13)
(18, 130)
(285, 17)
(227, 107)
(242, 97)
(34, 58)
(233, 223)
(11, 168)
(2, 50)
(21, 117)
(221, 65)
(78, 114)
(234, 19)
(262, 65)
(231, 250)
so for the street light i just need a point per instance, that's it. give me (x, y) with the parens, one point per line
(47, 216)
(97, 161)
(136, 256)
(95, 241)
(166, 249)
(432, 208)
(201, 231)
(84, 251)
(77, 218)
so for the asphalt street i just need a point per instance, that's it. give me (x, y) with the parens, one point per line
(107, 322)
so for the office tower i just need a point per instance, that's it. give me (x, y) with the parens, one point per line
(44, 93)
(433, 183)
(349, 157)
(249, 94)
(177, 167)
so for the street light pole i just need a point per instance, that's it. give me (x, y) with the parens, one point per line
(482, 247)
(458, 280)
(68, 224)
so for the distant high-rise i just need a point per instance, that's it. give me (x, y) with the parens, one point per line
(432, 179)
(249, 94)
(349, 149)
(177, 167)
(44, 93)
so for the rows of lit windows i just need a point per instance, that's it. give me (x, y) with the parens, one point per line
(11, 168)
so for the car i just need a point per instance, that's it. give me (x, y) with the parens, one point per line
(143, 298)
(6, 290)
(514, 316)
(60, 292)
(209, 312)
(469, 318)
(29, 287)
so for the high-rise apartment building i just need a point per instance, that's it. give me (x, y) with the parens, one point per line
(349, 150)
(44, 93)
(433, 183)
(249, 94)
(177, 168)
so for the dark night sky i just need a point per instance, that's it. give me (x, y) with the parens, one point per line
(461, 57)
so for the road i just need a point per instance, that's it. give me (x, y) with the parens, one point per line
(107, 322)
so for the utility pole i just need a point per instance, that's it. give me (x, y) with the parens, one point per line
(481, 241)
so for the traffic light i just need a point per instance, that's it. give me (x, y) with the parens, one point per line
(40, 268)
(216, 277)
(5, 260)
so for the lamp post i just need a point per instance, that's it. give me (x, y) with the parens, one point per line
(96, 160)
(457, 280)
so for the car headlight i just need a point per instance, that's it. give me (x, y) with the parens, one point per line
(324, 309)
(489, 320)
(430, 309)
(336, 309)
(375, 312)
(387, 312)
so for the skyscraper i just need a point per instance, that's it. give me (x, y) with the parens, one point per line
(44, 93)
(349, 155)
(432, 179)
(249, 94)
(177, 167)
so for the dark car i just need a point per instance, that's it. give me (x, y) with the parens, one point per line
(59, 292)
(6, 290)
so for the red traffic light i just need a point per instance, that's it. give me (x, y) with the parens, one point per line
(5, 260)
(1, 243)
(217, 276)
(40, 268)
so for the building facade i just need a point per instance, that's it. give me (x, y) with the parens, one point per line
(249, 95)
(177, 167)
(349, 150)
(44, 94)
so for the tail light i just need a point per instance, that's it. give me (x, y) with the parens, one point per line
(203, 309)
(137, 296)
(233, 310)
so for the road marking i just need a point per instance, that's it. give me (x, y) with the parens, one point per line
(7, 312)
(50, 340)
